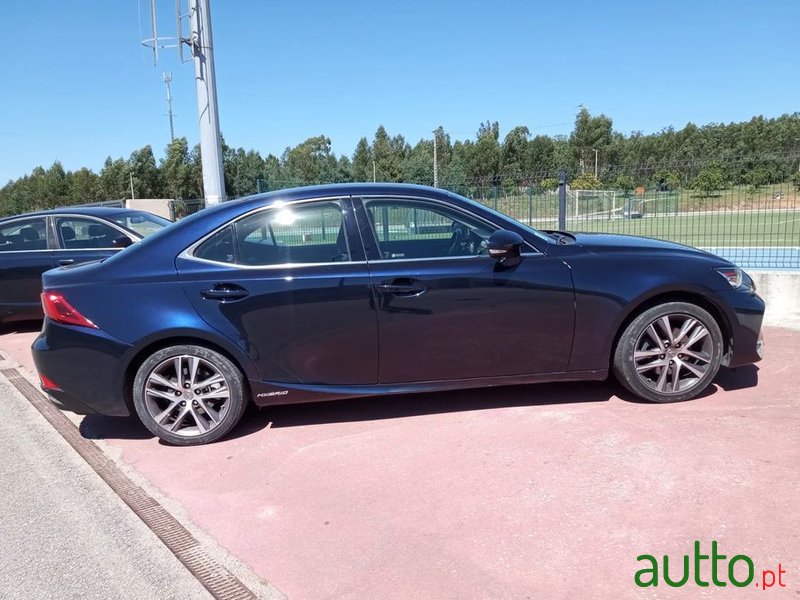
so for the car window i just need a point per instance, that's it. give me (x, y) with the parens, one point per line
(299, 234)
(142, 223)
(78, 233)
(219, 247)
(419, 229)
(24, 234)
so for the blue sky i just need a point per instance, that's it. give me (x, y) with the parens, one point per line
(79, 87)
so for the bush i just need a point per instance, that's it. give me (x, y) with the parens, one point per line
(585, 181)
(709, 180)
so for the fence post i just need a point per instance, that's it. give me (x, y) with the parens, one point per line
(530, 205)
(562, 200)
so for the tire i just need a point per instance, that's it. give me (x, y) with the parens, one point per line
(672, 364)
(174, 410)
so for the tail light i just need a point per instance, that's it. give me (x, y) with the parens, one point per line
(48, 384)
(57, 309)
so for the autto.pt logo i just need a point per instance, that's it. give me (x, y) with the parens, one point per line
(704, 570)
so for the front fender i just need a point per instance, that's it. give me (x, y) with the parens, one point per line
(611, 290)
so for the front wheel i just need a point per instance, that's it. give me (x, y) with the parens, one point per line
(189, 395)
(669, 353)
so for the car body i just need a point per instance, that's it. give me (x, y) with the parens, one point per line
(33, 243)
(365, 289)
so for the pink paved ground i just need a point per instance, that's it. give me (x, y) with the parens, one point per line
(547, 491)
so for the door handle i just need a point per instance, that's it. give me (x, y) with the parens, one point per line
(225, 292)
(401, 287)
(66, 261)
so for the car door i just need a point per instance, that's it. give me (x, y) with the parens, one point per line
(290, 285)
(446, 311)
(82, 239)
(24, 256)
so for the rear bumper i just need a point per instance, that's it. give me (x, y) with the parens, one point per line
(84, 364)
(28, 311)
(66, 402)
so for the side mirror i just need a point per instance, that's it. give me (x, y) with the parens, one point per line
(122, 241)
(506, 247)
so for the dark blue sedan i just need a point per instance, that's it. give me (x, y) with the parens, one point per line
(364, 289)
(33, 243)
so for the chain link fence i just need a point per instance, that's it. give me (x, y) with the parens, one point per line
(744, 210)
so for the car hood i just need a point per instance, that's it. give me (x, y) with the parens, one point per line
(614, 242)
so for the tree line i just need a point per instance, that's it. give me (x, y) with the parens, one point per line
(757, 152)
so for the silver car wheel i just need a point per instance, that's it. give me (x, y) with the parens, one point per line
(187, 395)
(673, 353)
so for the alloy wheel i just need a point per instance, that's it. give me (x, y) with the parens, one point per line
(187, 395)
(673, 353)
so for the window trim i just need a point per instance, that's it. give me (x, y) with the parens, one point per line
(188, 253)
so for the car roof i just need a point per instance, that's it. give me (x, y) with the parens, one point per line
(97, 211)
(330, 189)
(91, 211)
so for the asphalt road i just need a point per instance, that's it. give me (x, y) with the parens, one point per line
(64, 533)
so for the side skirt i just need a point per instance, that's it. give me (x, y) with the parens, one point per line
(267, 393)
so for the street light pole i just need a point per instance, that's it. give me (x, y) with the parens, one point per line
(374, 172)
(596, 151)
(206, 83)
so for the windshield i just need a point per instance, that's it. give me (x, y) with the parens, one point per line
(540, 234)
(143, 223)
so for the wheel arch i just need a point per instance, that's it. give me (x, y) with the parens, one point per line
(147, 348)
(688, 296)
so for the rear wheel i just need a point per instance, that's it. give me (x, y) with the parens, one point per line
(669, 353)
(189, 395)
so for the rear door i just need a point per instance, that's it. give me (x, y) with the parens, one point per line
(290, 285)
(446, 311)
(24, 256)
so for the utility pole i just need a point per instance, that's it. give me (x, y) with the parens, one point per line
(206, 83)
(374, 172)
(562, 200)
(435, 159)
(131, 176)
(167, 82)
(596, 151)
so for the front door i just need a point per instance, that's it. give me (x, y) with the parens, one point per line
(83, 239)
(446, 311)
(290, 285)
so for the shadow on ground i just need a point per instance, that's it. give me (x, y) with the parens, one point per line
(20, 327)
(374, 408)
(377, 408)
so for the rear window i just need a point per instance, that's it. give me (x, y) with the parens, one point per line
(219, 247)
(304, 234)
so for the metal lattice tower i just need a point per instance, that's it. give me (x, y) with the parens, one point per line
(167, 82)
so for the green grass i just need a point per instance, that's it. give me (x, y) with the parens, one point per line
(744, 228)
(738, 216)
